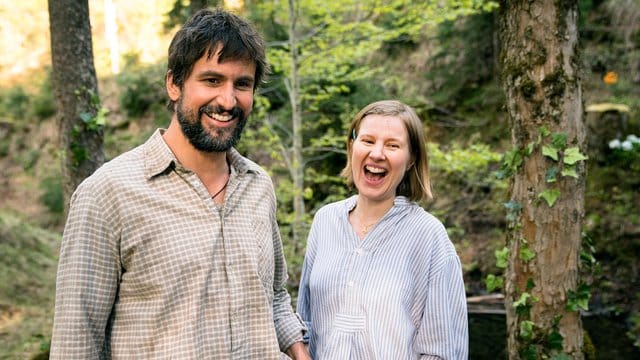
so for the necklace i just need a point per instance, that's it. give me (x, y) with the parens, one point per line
(366, 228)
(219, 191)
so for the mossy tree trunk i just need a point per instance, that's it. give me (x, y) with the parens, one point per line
(540, 76)
(76, 91)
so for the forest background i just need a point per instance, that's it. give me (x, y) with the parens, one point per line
(444, 64)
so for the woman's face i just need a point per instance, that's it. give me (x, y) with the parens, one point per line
(380, 157)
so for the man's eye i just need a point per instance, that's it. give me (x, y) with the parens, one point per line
(213, 81)
(244, 85)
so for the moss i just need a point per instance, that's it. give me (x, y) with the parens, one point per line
(555, 84)
(588, 348)
(528, 88)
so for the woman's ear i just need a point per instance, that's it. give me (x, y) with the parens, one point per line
(173, 90)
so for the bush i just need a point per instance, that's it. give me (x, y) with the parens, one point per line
(142, 88)
(52, 194)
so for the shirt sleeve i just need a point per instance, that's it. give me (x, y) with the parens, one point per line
(443, 331)
(86, 282)
(289, 327)
(303, 306)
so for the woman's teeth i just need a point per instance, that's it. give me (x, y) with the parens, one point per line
(375, 170)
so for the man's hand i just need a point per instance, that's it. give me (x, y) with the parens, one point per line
(298, 351)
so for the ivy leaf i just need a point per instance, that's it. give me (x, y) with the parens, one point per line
(560, 356)
(526, 254)
(551, 175)
(86, 117)
(502, 256)
(530, 284)
(544, 131)
(522, 301)
(570, 171)
(526, 330)
(493, 282)
(550, 151)
(555, 340)
(559, 140)
(550, 196)
(572, 155)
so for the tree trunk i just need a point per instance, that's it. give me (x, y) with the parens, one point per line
(76, 91)
(297, 166)
(540, 76)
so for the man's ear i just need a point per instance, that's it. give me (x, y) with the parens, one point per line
(173, 90)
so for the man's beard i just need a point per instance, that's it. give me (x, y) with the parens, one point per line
(211, 139)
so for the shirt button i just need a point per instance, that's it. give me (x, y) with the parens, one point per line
(359, 251)
(350, 284)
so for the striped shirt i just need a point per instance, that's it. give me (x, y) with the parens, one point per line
(396, 294)
(151, 268)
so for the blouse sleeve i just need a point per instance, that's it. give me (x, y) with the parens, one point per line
(303, 305)
(443, 332)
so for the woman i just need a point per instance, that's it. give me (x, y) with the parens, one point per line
(381, 279)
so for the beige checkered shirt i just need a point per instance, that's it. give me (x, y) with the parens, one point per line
(151, 268)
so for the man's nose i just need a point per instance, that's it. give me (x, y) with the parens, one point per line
(227, 97)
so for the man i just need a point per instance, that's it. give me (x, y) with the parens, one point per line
(172, 250)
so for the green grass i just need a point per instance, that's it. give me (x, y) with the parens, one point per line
(28, 263)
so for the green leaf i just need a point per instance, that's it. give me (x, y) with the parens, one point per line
(530, 284)
(570, 171)
(526, 330)
(493, 282)
(522, 301)
(572, 155)
(551, 175)
(550, 151)
(544, 131)
(550, 196)
(560, 356)
(526, 254)
(86, 117)
(555, 340)
(559, 140)
(502, 257)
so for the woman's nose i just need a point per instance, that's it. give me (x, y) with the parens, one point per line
(377, 152)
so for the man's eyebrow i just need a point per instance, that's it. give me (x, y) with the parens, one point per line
(211, 73)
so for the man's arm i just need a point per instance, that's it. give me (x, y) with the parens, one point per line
(298, 351)
(86, 282)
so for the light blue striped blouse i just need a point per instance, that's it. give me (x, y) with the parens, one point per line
(396, 294)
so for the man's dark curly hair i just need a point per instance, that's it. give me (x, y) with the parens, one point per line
(206, 31)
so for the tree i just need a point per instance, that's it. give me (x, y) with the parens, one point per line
(540, 64)
(80, 116)
(180, 12)
(322, 57)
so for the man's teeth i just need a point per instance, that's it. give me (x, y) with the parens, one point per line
(219, 117)
(375, 170)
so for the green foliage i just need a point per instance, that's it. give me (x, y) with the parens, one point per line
(52, 194)
(579, 299)
(142, 88)
(493, 282)
(28, 265)
(14, 102)
(502, 257)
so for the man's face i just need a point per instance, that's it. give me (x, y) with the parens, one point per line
(213, 105)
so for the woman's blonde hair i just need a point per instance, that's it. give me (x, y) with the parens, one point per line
(415, 184)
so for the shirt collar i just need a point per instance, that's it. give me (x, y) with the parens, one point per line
(159, 159)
